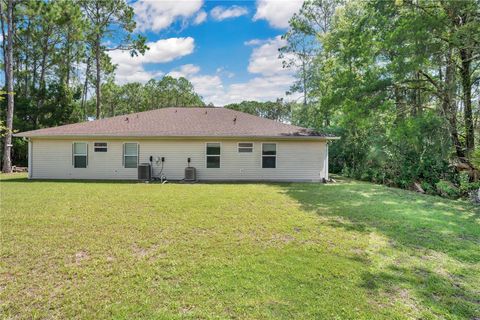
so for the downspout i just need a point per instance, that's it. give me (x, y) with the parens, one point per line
(326, 160)
(30, 159)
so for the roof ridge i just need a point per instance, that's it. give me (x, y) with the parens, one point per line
(218, 121)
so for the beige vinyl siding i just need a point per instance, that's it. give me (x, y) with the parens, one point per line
(296, 160)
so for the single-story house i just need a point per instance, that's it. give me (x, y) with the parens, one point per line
(221, 144)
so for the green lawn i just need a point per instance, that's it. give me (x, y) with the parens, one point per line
(349, 250)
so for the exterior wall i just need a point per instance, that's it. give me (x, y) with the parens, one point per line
(29, 159)
(296, 160)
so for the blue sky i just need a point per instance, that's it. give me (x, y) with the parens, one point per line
(227, 49)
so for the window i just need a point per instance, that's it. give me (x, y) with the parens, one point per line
(269, 155)
(213, 155)
(130, 155)
(100, 147)
(80, 155)
(245, 147)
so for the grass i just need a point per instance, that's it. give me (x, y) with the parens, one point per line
(349, 250)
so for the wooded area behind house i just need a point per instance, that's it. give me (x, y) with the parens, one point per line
(398, 81)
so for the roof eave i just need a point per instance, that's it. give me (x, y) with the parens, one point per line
(106, 136)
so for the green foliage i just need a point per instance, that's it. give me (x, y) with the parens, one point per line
(61, 53)
(3, 129)
(428, 188)
(419, 150)
(447, 189)
(278, 110)
(475, 157)
(388, 77)
(302, 52)
(112, 20)
(394, 152)
(465, 186)
(155, 94)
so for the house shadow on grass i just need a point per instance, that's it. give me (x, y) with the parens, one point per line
(422, 227)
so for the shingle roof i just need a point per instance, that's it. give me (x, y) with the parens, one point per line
(179, 122)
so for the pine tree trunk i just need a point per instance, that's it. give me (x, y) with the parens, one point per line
(112, 110)
(4, 36)
(97, 84)
(68, 58)
(7, 142)
(304, 80)
(43, 69)
(448, 105)
(27, 74)
(85, 88)
(466, 57)
(97, 62)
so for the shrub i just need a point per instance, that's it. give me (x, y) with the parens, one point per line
(447, 189)
(428, 188)
(465, 185)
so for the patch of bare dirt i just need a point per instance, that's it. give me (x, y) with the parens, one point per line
(186, 309)
(282, 238)
(140, 252)
(80, 256)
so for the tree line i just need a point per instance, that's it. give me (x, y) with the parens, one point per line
(398, 81)
(58, 71)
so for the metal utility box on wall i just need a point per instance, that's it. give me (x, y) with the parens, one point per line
(190, 174)
(144, 172)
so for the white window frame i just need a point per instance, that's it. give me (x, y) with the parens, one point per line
(213, 155)
(79, 154)
(100, 147)
(238, 147)
(130, 155)
(276, 154)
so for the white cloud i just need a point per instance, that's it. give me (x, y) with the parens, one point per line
(271, 80)
(135, 74)
(200, 18)
(157, 15)
(131, 69)
(259, 88)
(205, 85)
(264, 59)
(164, 50)
(277, 12)
(220, 13)
(254, 42)
(213, 90)
(224, 72)
(185, 71)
